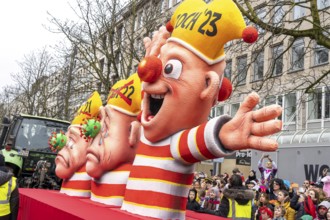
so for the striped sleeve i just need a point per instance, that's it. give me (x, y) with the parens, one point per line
(199, 143)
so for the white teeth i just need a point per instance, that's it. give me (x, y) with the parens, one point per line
(155, 96)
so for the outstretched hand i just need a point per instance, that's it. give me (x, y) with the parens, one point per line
(248, 128)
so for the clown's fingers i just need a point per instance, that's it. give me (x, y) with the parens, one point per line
(147, 44)
(249, 103)
(267, 113)
(262, 143)
(158, 40)
(266, 128)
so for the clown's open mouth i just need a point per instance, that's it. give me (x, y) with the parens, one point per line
(155, 103)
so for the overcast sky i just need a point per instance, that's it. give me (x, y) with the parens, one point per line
(22, 31)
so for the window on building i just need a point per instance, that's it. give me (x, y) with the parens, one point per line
(258, 65)
(261, 13)
(120, 31)
(229, 43)
(316, 102)
(161, 5)
(315, 105)
(138, 44)
(277, 58)
(176, 1)
(321, 4)
(270, 100)
(118, 61)
(299, 9)
(321, 55)
(289, 107)
(169, 3)
(140, 19)
(297, 56)
(228, 69)
(102, 65)
(241, 70)
(219, 110)
(278, 13)
(104, 40)
(233, 109)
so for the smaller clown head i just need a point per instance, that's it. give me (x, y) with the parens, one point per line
(73, 155)
(116, 142)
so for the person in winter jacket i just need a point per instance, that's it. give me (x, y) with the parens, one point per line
(322, 210)
(236, 201)
(252, 177)
(9, 195)
(262, 200)
(283, 199)
(297, 202)
(212, 201)
(192, 204)
(275, 186)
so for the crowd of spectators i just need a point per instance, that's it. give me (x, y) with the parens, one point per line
(269, 197)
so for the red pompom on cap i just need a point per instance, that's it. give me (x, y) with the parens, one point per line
(250, 34)
(149, 69)
(169, 27)
(225, 90)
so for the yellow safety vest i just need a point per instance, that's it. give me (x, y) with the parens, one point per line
(5, 193)
(239, 212)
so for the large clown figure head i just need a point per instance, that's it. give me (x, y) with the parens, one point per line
(116, 142)
(73, 155)
(182, 74)
(180, 93)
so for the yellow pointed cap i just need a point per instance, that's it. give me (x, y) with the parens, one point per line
(205, 28)
(90, 109)
(125, 95)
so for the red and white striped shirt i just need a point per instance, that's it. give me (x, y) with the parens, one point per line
(78, 185)
(162, 172)
(110, 188)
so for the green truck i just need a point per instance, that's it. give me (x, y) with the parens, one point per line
(24, 143)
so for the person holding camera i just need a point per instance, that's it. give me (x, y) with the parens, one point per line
(269, 171)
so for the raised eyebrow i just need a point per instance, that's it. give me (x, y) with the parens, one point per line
(174, 53)
(75, 130)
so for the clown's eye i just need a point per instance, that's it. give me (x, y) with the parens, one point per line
(173, 69)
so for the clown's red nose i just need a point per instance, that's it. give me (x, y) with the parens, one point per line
(149, 69)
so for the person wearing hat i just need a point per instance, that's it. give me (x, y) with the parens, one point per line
(9, 195)
(236, 202)
(71, 159)
(182, 73)
(322, 210)
(110, 156)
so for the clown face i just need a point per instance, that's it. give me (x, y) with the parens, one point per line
(182, 96)
(111, 147)
(73, 156)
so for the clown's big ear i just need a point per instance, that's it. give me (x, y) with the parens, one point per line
(212, 84)
(225, 90)
(134, 136)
